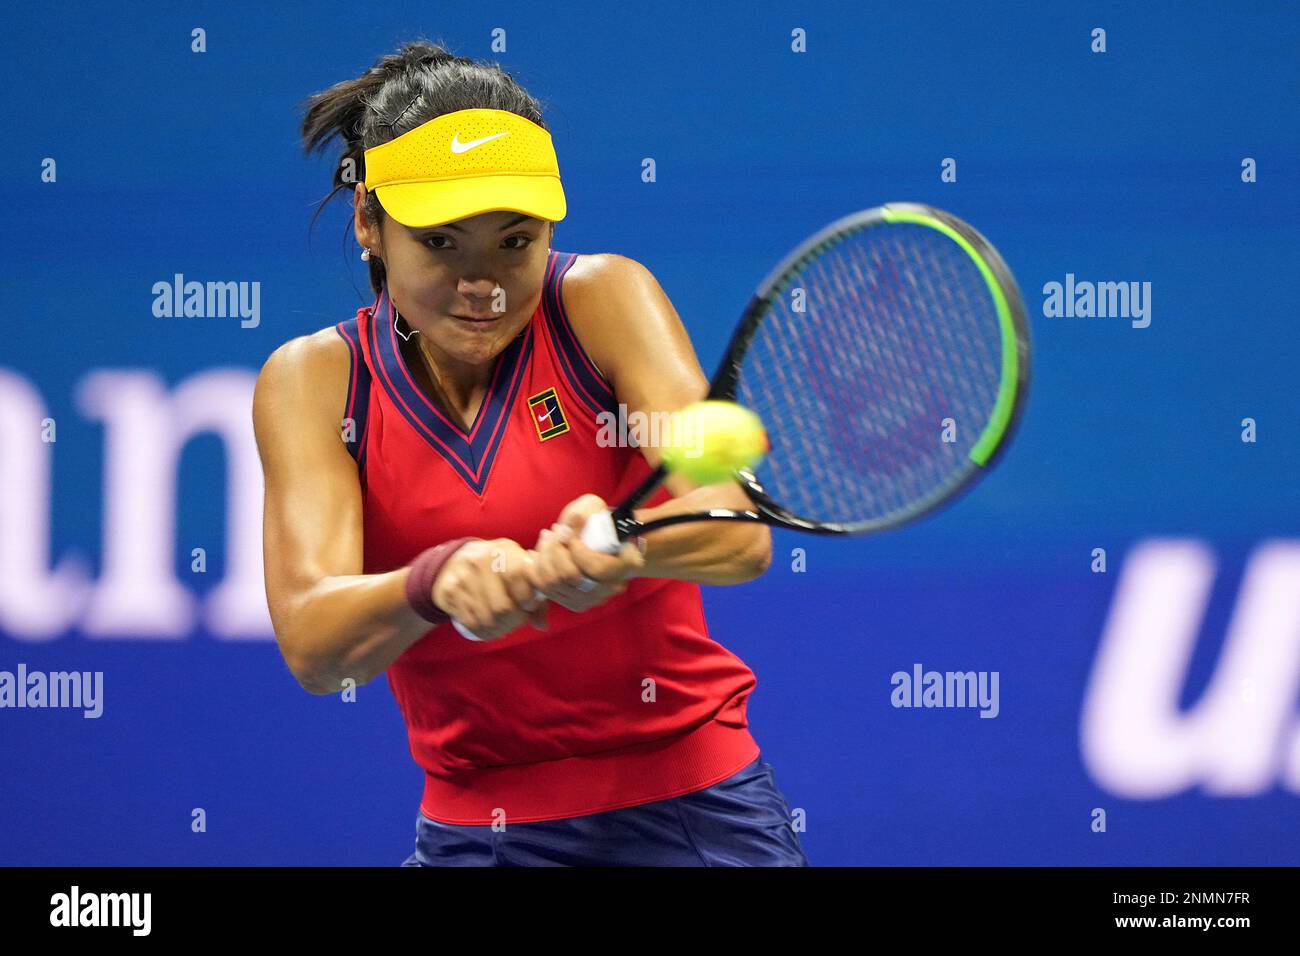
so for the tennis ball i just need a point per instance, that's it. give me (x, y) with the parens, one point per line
(709, 441)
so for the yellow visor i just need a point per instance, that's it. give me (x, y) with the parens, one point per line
(464, 163)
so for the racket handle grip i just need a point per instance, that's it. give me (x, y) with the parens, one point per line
(598, 534)
(465, 632)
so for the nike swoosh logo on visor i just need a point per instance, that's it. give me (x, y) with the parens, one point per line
(458, 147)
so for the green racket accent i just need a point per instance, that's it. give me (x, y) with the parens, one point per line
(997, 425)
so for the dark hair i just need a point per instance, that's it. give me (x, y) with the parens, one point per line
(403, 90)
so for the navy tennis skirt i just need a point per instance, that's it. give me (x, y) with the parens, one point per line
(741, 821)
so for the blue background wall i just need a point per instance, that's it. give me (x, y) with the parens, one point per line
(1117, 166)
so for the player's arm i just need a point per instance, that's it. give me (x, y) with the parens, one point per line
(631, 331)
(331, 621)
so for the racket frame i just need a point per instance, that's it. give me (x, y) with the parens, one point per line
(1008, 406)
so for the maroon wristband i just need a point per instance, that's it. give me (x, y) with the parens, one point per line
(424, 571)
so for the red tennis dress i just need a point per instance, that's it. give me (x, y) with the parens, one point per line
(628, 703)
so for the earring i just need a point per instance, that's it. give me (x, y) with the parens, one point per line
(365, 256)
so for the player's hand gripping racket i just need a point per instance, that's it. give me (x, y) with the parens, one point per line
(888, 357)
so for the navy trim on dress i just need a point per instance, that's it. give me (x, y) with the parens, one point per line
(470, 454)
(357, 406)
(588, 384)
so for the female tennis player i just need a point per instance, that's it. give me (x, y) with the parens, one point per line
(431, 461)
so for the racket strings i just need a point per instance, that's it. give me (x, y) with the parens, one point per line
(875, 371)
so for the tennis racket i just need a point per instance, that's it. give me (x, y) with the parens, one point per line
(888, 357)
